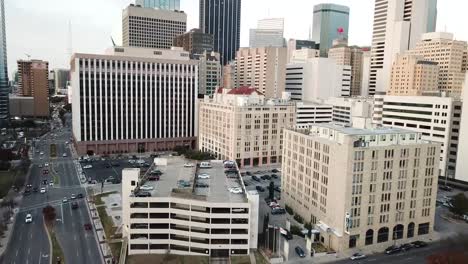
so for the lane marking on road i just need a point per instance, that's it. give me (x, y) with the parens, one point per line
(61, 208)
(16, 252)
(29, 251)
(40, 254)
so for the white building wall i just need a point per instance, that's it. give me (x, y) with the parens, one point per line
(461, 172)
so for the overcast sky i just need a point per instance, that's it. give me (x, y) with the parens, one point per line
(40, 28)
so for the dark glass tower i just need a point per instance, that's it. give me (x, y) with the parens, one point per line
(221, 18)
(4, 85)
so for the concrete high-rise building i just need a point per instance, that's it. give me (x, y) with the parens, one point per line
(4, 84)
(230, 75)
(413, 75)
(151, 28)
(366, 59)
(442, 48)
(461, 172)
(398, 26)
(298, 44)
(209, 70)
(146, 100)
(242, 125)
(330, 22)
(181, 216)
(224, 28)
(303, 55)
(33, 86)
(308, 113)
(61, 80)
(357, 185)
(195, 41)
(160, 4)
(269, 33)
(351, 56)
(437, 118)
(317, 78)
(262, 68)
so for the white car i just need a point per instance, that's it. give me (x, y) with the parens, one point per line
(357, 256)
(235, 190)
(47, 164)
(66, 142)
(41, 153)
(188, 165)
(64, 155)
(87, 166)
(28, 218)
(43, 190)
(204, 176)
(146, 187)
(64, 200)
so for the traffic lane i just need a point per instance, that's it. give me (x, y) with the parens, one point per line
(417, 255)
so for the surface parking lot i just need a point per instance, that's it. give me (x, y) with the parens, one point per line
(104, 168)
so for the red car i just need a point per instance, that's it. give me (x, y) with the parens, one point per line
(88, 226)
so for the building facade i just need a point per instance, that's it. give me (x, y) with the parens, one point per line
(448, 53)
(317, 78)
(4, 84)
(298, 44)
(181, 217)
(61, 80)
(33, 81)
(242, 125)
(398, 26)
(224, 28)
(351, 56)
(209, 68)
(461, 172)
(308, 113)
(361, 187)
(160, 4)
(195, 41)
(263, 69)
(437, 118)
(151, 28)
(330, 22)
(269, 33)
(413, 75)
(230, 75)
(134, 100)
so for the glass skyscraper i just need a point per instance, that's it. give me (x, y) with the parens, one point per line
(330, 22)
(221, 18)
(160, 4)
(4, 85)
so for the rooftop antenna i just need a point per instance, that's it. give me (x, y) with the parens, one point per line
(113, 42)
(70, 50)
(27, 55)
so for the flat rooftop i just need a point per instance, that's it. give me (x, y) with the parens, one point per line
(180, 181)
(365, 131)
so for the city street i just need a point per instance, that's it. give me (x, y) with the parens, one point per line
(29, 242)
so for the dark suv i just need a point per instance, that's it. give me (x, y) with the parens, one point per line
(259, 188)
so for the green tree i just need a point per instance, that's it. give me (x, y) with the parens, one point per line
(460, 204)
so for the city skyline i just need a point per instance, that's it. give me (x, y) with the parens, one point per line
(51, 22)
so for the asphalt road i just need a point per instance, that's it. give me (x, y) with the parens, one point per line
(29, 242)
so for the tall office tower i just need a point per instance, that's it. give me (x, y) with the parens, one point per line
(61, 80)
(230, 75)
(413, 75)
(263, 69)
(160, 4)
(366, 58)
(222, 19)
(4, 84)
(436, 117)
(298, 44)
(442, 48)
(134, 100)
(195, 41)
(242, 124)
(209, 72)
(351, 56)
(398, 26)
(330, 22)
(317, 78)
(461, 172)
(33, 82)
(269, 33)
(151, 28)
(356, 185)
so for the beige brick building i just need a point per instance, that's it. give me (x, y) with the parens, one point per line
(412, 75)
(442, 48)
(240, 124)
(351, 56)
(33, 86)
(361, 187)
(263, 69)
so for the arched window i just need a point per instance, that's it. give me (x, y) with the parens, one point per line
(369, 237)
(398, 232)
(410, 230)
(382, 235)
